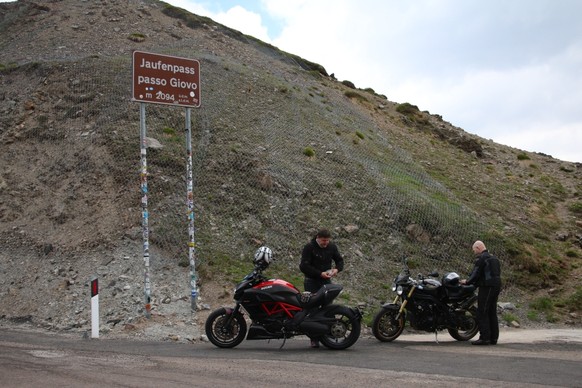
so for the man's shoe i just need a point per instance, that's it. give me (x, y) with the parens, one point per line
(480, 342)
(314, 344)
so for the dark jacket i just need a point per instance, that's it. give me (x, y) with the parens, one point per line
(315, 260)
(486, 272)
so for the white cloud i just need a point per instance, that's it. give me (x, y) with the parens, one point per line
(499, 69)
(247, 22)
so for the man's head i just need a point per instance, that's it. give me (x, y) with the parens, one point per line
(478, 247)
(323, 238)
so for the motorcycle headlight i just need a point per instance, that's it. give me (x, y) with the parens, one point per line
(393, 287)
(399, 290)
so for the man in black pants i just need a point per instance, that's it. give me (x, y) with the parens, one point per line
(486, 275)
(316, 264)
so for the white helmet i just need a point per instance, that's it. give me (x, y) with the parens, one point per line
(263, 256)
(451, 279)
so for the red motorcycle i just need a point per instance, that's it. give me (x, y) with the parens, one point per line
(278, 310)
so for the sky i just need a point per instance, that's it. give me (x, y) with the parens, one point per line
(505, 70)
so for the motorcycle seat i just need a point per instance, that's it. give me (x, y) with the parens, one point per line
(460, 291)
(322, 297)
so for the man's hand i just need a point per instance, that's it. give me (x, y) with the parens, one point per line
(329, 273)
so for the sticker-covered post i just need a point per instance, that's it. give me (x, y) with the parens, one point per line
(190, 197)
(165, 79)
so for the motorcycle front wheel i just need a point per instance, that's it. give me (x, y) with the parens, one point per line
(469, 326)
(224, 329)
(344, 331)
(386, 326)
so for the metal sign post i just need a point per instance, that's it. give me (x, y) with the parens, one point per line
(164, 79)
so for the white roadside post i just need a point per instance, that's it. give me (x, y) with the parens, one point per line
(94, 308)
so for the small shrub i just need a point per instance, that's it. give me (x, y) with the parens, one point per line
(576, 207)
(349, 84)
(339, 184)
(42, 119)
(351, 94)
(522, 156)
(309, 152)
(136, 37)
(508, 317)
(360, 134)
(407, 109)
(566, 169)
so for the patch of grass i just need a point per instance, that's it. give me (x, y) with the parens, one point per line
(522, 156)
(543, 304)
(339, 184)
(360, 134)
(574, 301)
(8, 67)
(533, 315)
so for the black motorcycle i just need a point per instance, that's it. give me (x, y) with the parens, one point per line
(428, 305)
(278, 310)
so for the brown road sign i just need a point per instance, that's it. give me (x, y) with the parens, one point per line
(163, 79)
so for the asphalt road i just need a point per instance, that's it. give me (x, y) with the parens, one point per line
(521, 359)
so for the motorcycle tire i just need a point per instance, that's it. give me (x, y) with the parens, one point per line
(386, 327)
(224, 329)
(344, 332)
(473, 329)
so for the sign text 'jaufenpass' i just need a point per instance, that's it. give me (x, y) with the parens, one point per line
(163, 79)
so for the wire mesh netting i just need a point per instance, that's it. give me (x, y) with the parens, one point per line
(278, 152)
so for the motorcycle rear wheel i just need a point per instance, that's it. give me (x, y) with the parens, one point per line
(344, 332)
(473, 329)
(225, 330)
(386, 327)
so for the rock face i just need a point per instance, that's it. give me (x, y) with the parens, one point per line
(388, 184)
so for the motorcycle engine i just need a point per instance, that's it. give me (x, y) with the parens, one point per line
(422, 316)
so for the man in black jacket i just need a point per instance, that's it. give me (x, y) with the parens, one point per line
(486, 275)
(317, 258)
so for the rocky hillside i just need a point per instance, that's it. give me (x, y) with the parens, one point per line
(279, 149)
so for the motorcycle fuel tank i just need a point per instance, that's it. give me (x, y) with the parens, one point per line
(272, 298)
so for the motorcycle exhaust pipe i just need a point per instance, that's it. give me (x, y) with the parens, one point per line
(314, 328)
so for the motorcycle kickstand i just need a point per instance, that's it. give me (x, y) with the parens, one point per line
(284, 340)
(436, 339)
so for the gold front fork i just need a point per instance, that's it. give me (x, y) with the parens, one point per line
(404, 302)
